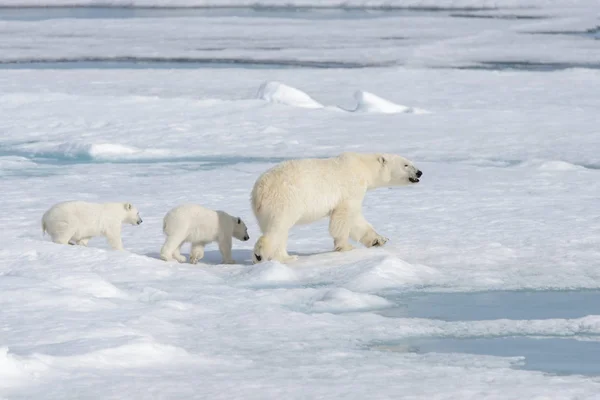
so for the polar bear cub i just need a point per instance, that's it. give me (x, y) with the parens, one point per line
(76, 222)
(200, 226)
(305, 190)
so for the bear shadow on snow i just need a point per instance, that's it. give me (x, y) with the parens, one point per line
(212, 257)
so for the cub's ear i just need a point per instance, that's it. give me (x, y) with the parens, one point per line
(382, 160)
(127, 206)
(239, 220)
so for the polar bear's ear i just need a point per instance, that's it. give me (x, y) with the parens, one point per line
(382, 160)
(127, 206)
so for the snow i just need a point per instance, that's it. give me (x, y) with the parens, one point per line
(508, 201)
(468, 4)
(368, 102)
(276, 92)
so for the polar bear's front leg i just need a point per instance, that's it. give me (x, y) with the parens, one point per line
(114, 238)
(177, 254)
(340, 225)
(362, 231)
(197, 252)
(225, 249)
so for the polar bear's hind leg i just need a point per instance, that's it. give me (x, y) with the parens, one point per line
(170, 250)
(197, 252)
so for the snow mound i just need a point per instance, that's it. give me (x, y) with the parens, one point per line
(90, 284)
(343, 300)
(14, 369)
(69, 151)
(276, 92)
(558, 166)
(269, 273)
(370, 103)
(550, 165)
(142, 353)
(388, 272)
(107, 151)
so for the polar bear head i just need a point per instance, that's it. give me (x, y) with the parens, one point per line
(240, 231)
(395, 170)
(132, 215)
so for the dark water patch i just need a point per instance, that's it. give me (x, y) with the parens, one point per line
(492, 162)
(28, 173)
(528, 66)
(74, 347)
(205, 162)
(517, 305)
(590, 166)
(509, 163)
(394, 38)
(593, 33)
(498, 16)
(550, 355)
(313, 12)
(177, 63)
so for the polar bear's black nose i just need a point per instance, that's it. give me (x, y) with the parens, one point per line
(258, 258)
(246, 237)
(419, 173)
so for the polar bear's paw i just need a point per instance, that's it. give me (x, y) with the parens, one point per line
(180, 258)
(379, 241)
(344, 247)
(194, 260)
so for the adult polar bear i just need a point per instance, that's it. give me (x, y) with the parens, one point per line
(305, 190)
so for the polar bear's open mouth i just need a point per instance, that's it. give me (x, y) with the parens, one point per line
(413, 180)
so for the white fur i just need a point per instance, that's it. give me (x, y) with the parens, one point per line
(306, 190)
(76, 222)
(200, 226)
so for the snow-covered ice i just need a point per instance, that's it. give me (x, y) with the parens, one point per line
(369, 102)
(496, 247)
(276, 92)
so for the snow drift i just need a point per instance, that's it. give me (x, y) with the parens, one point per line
(370, 103)
(87, 151)
(276, 92)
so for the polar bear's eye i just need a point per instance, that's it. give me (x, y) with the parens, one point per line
(239, 221)
(405, 165)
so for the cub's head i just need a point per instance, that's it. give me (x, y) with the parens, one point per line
(240, 231)
(395, 170)
(132, 215)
